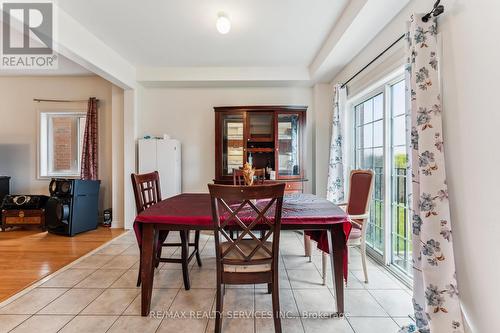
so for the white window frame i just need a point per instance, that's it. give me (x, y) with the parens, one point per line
(381, 86)
(43, 138)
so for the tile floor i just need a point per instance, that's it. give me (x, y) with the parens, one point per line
(98, 294)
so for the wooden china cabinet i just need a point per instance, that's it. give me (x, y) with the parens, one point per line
(268, 137)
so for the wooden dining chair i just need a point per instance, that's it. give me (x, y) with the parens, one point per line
(147, 193)
(247, 261)
(358, 210)
(259, 177)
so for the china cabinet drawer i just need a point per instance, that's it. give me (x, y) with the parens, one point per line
(293, 187)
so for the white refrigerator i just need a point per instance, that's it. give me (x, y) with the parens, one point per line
(164, 156)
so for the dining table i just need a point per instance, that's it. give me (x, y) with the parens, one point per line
(326, 222)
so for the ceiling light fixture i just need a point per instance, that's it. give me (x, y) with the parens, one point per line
(223, 23)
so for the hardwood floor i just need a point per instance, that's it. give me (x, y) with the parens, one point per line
(27, 256)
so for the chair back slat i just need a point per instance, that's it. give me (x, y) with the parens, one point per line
(251, 209)
(146, 190)
(238, 178)
(260, 176)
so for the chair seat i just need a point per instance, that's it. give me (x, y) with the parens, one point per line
(247, 246)
(356, 231)
(355, 234)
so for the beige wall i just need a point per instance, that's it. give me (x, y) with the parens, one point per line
(18, 127)
(323, 110)
(470, 71)
(187, 114)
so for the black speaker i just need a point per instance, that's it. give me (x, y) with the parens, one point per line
(73, 206)
(61, 187)
(4, 187)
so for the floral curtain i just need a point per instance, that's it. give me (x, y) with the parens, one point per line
(435, 294)
(335, 184)
(90, 156)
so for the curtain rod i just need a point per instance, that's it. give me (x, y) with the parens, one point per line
(375, 59)
(62, 100)
(436, 11)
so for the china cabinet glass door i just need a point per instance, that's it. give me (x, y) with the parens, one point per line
(260, 126)
(288, 160)
(232, 143)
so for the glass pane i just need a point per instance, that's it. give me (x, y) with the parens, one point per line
(261, 126)
(399, 159)
(63, 145)
(81, 123)
(398, 215)
(359, 138)
(232, 143)
(368, 111)
(359, 114)
(378, 158)
(399, 188)
(288, 143)
(399, 131)
(401, 239)
(367, 136)
(398, 98)
(378, 133)
(378, 221)
(378, 107)
(378, 185)
(367, 159)
(359, 157)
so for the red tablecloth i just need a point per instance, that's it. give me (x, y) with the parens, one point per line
(194, 209)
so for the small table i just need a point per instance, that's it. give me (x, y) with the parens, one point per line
(23, 217)
(191, 211)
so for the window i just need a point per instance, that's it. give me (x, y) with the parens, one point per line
(379, 134)
(60, 143)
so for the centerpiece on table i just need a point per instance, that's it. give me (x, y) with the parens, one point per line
(248, 173)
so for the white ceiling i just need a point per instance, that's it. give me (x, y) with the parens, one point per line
(175, 42)
(175, 33)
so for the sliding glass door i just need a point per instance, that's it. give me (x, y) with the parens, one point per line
(380, 145)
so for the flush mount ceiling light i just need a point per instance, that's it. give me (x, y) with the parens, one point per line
(223, 23)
